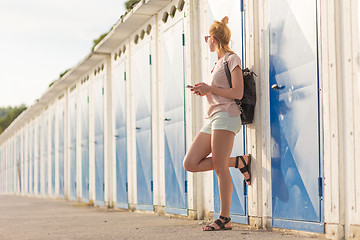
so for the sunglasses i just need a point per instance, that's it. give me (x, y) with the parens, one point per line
(207, 38)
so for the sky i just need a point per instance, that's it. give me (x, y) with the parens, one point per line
(39, 39)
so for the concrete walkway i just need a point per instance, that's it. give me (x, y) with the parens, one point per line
(33, 218)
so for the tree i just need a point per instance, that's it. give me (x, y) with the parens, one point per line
(8, 115)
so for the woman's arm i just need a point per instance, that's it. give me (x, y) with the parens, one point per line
(236, 92)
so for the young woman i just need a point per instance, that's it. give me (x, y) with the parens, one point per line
(222, 123)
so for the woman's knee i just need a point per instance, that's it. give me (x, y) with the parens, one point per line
(220, 165)
(188, 164)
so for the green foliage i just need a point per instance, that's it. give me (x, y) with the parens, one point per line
(63, 73)
(8, 115)
(60, 76)
(130, 4)
(4, 111)
(96, 41)
(52, 83)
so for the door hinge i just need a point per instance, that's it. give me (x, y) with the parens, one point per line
(320, 181)
(242, 5)
(150, 59)
(183, 39)
(103, 187)
(127, 188)
(124, 76)
(186, 186)
(102, 91)
(88, 99)
(152, 186)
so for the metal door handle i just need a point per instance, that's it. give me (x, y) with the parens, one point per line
(167, 119)
(138, 128)
(277, 87)
(116, 135)
(95, 142)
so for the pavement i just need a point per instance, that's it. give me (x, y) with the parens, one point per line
(35, 218)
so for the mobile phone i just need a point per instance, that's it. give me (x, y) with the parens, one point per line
(189, 86)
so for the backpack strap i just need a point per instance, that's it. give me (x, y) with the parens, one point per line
(227, 70)
(228, 76)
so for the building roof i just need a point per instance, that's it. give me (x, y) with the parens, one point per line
(122, 30)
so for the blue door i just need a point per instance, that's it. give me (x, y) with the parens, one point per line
(32, 158)
(28, 144)
(99, 139)
(38, 156)
(174, 119)
(119, 93)
(294, 115)
(52, 162)
(235, 11)
(61, 148)
(72, 146)
(45, 154)
(18, 161)
(84, 98)
(23, 163)
(142, 78)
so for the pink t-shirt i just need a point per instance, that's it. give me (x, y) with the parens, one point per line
(218, 79)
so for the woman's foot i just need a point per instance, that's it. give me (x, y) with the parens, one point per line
(243, 164)
(222, 223)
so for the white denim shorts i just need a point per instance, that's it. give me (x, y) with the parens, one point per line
(222, 121)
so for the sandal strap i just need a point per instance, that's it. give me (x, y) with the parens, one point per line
(212, 228)
(245, 168)
(226, 219)
(237, 162)
(219, 223)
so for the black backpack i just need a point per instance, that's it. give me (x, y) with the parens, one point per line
(247, 103)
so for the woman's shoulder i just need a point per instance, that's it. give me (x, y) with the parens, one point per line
(233, 57)
(233, 60)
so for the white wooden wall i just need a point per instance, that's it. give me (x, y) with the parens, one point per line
(339, 54)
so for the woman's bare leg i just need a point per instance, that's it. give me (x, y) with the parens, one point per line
(222, 143)
(196, 158)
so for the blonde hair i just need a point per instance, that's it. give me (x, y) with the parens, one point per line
(222, 34)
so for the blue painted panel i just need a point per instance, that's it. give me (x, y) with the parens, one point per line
(45, 154)
(299, 225)
(294, 110)
(120, 135)
(28, 160)
(19, 165)
(32, 157)
(52, 162)
(23, 161)
(72, 146)
(142, 80)
(217, 10)
(99, 139)
(174, 122)
(39, 156)
(61, 116)
(84, 96)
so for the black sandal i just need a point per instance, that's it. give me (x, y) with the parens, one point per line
(246, 167)
(220, 224)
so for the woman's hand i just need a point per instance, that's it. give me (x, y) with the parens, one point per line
(201, 89)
